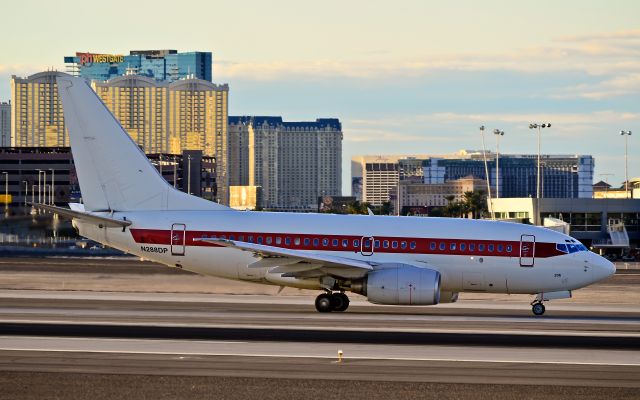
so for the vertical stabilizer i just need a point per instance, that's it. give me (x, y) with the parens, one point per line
(113, 172)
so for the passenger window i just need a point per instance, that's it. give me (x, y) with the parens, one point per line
(442, 246)
(432, 246)
(287, 241)
(403, 245)
(500, 248)
(452, 246)
(296, 241)
(241, 238)
(377, 244)
(334, 242)
(472, 247)
(394, 244)
(385, 244)
(259, 239)
(463, 247)
(223, 236)
(509, 248)
(345, 243)
(490, 248)
(413, 245)
(250, 239)
(316, 242)
(307, 241)
(325, 242)
(356, 243)
(481, 247)
(231, 237)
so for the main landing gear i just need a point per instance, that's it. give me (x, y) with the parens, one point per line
(327, 302)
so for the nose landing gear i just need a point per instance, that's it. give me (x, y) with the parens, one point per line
(537, 308)
(328, 302)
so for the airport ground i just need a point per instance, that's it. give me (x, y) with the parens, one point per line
(104, 328)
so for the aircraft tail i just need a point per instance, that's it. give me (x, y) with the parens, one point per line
(113, 172)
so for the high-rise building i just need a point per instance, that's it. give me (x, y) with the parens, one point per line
(5, 124)
(36, 112)
(162, 117)
(372, 177)
(161, 65)
(563, 176)
(293, 162)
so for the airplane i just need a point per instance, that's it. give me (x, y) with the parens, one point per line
(390, 260)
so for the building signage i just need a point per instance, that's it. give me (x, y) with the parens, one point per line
(90, 58)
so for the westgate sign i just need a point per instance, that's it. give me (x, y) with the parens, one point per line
(90, 58)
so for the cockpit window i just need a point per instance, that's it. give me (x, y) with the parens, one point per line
(572, 248)
(562, 247)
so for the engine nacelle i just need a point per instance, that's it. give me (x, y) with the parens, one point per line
(401, 284)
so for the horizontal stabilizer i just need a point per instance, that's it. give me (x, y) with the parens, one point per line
(85, 216)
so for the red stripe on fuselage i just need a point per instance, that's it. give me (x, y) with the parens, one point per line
(307, 242)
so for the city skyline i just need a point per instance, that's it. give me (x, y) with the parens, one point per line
(412, 77)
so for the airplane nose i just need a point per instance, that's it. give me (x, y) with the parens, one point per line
(603, 268)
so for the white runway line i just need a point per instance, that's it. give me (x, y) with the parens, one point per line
(324, 351)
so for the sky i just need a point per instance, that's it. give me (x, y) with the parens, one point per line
(402, 76)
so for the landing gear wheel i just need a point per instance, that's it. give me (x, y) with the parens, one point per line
(340, 301)
(324, 303)
(538, 308)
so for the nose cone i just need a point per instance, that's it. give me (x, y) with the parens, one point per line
(602, 268)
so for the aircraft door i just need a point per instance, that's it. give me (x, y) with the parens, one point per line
(527, 250)
(366, 245)
(178, 239)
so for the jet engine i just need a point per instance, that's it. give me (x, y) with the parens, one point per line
(400, 284)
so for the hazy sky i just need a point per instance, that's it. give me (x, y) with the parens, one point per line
(402, 76)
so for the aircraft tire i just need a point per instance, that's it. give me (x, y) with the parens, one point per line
(340, 302)
(538, 308)
(324, 303)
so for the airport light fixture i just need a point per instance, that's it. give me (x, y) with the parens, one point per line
(538, 127)
(498, 134)
(626, 135)
(486, 172)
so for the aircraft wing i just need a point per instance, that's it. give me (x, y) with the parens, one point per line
(315, 259)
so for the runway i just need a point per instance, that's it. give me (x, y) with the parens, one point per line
(219, 345)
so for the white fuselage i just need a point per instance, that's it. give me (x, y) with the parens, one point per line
(471, 255)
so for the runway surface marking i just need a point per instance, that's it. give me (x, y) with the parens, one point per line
(323, 351)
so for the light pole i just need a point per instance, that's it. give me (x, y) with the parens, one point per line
(498, 133)
(6, 191)
(626, 135)
(538, 127)
(26, 193)
(189, 175)
(39, 191)
(486, 172)
(175, 171)
(53, 187)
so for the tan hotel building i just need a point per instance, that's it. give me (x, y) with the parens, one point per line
(162, 117)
